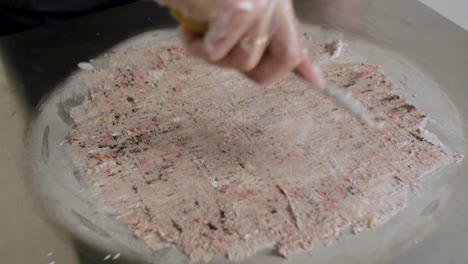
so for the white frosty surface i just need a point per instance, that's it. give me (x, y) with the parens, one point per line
(202, 159)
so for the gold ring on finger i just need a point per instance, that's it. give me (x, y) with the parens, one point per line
(260, 41)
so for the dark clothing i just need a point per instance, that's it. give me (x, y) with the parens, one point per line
(20, 15)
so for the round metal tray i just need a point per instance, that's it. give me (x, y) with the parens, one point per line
(431, 214)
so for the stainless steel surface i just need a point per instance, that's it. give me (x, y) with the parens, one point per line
(35, 64)
(25, 234)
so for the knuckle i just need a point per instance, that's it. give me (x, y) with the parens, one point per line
(238, 14)
(244, 7)
(237, 17)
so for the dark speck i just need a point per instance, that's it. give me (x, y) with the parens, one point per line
(391, 98)
(176, 226)
(212, 227)
(408, 107)
(222, 215)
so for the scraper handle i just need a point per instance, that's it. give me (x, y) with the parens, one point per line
(189, 24)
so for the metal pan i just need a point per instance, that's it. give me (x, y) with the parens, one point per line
(418, 49)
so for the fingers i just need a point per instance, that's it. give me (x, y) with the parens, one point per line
(311, 72)
(248, 52)
(226, 30)
(260, 38)
(285, 51)
(193, 43)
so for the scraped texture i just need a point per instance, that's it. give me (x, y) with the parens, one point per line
(200, 158)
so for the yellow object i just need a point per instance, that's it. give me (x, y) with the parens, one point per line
(191, 25)
(260, 41)
(371, 222)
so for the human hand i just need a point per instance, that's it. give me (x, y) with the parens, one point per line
(260, 38)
